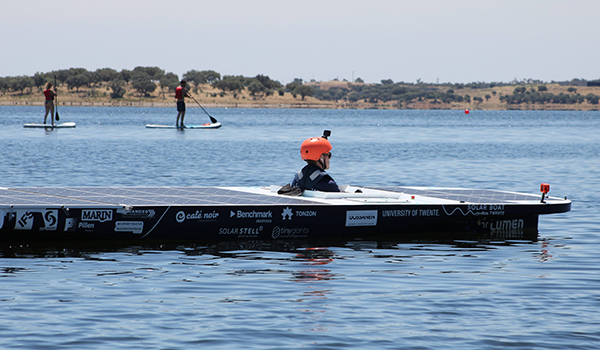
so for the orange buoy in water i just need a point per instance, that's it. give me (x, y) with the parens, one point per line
(467, 111)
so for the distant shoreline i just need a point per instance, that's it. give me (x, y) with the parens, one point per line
(554, 107)
(164, 105)
(209, 97)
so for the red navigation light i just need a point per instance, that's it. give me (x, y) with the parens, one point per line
(544, 188)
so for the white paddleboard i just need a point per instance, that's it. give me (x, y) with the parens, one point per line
(50, 126)
(201, 126)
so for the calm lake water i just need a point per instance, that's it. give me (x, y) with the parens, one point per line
(350, 295)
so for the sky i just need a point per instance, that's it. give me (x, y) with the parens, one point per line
(445, 41)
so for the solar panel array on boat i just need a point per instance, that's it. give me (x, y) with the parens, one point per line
(466, 195)
(160, 196)
(136, 196)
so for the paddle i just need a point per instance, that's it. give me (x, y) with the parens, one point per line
(211, 118)
(56, 98)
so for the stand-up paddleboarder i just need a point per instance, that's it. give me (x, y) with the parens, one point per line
(180, 95)
(49, 104)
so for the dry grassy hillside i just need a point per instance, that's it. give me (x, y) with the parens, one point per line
(211, 97)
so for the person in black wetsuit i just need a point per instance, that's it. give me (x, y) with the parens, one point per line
(316, 151)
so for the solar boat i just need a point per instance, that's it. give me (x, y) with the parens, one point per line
(261, 213)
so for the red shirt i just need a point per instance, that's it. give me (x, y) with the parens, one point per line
(179, 93)
(49, 95)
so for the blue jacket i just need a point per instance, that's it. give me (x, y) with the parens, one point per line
(311, 177)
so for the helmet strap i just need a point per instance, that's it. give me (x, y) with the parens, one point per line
(320, 161)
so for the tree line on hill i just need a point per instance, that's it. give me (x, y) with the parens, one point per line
(541, 96)
(145, 80)
(403, 93)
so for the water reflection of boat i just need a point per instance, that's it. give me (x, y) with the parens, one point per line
(260, 213)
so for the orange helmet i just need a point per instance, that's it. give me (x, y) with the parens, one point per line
(313, 147)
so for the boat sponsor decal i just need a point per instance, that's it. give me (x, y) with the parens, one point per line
(241, 231)
(288, 213)
(361, 218)
(101, 215)
(289, 232)
(198, 215)
(410, 212)
(504, 228)
(70, 224)
(25, 219)
(129, 226)
(140, 213)
(306, 213)
(86, 225)
(260, 216)
(504, 225)
(477, 209)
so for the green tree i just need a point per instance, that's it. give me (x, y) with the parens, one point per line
(79, 71)
(61, 75)
(256, 88)
(304, 91)
(229, 83)
(142, 82)
(211, 76)
(353, 96)
(293, 85)
(104, 75)
(592, 98)
(39, 80)
(4, 85)
(77, 81)
(399, 90)
(125, 75)
(267, 82)
(194, 77)
(154, 73)
(169, 82)
(118, 89)
(21, 83)
(202, 77)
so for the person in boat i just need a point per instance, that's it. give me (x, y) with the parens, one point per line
(49, 104)
(316, 151)
(180, 94)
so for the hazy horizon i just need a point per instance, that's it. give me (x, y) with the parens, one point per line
(445, 41)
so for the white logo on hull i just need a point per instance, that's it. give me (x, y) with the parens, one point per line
(101, 215)
(361, 218)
